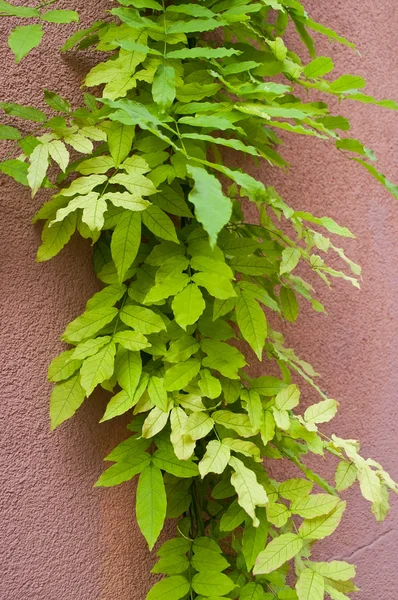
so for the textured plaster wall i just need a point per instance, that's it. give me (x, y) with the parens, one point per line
(64, 540)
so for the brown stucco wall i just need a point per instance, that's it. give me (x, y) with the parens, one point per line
(64, 540)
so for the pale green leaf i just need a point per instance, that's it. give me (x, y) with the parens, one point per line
(280, 550)
(323, 412)
(236, 421)
(310, 586)
(58, 152)
(310, 507)
(155, 422)
(183, 444)
(39, 160)
(345, 476)
(321, 527)
(215, 459)
(250, 493)
(198, 425)
(291, 489)
(336, 570)
(288, 398)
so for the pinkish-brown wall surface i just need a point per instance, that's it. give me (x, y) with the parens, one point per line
(60, 538)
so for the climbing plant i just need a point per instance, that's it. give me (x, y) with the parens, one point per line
(145, 171)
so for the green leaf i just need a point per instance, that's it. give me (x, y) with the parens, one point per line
(254, 539)
(346, 474)
(172, 588)
(210, 386)
(159, 223)
(131, 340)
(120, 139)
(55, 237)
(126, 241)
(288, 398)
(141, 319)
(118, 405)
(310, 507)
(252, 591)
(207, 53)
(88, 324)
(252, 322)
(37, 169)
(250, 493)
(310, 586)
(128, 370)
(61, 16)
(163, 87)
(167, 461)
(179, 375)
(66, 398)
(290, 259)
(319, 67)
(56, 102)
(290, 307)
(347, 84)
(212, 584)
(9, 133)
(254, 408)
(124, 471)
(98, 368)
(321, 527)
(280, 550)
(188, 306)
(23, 112)
(23, 39)
(233, 517)
(267, 386)
(151, 504)
(9, 10)
(217, 286)
(213, 215)
(63, 366)
(236, 421)
(157, 393)
(223, 357)
(215, 459)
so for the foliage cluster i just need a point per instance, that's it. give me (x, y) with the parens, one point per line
(143, 173)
